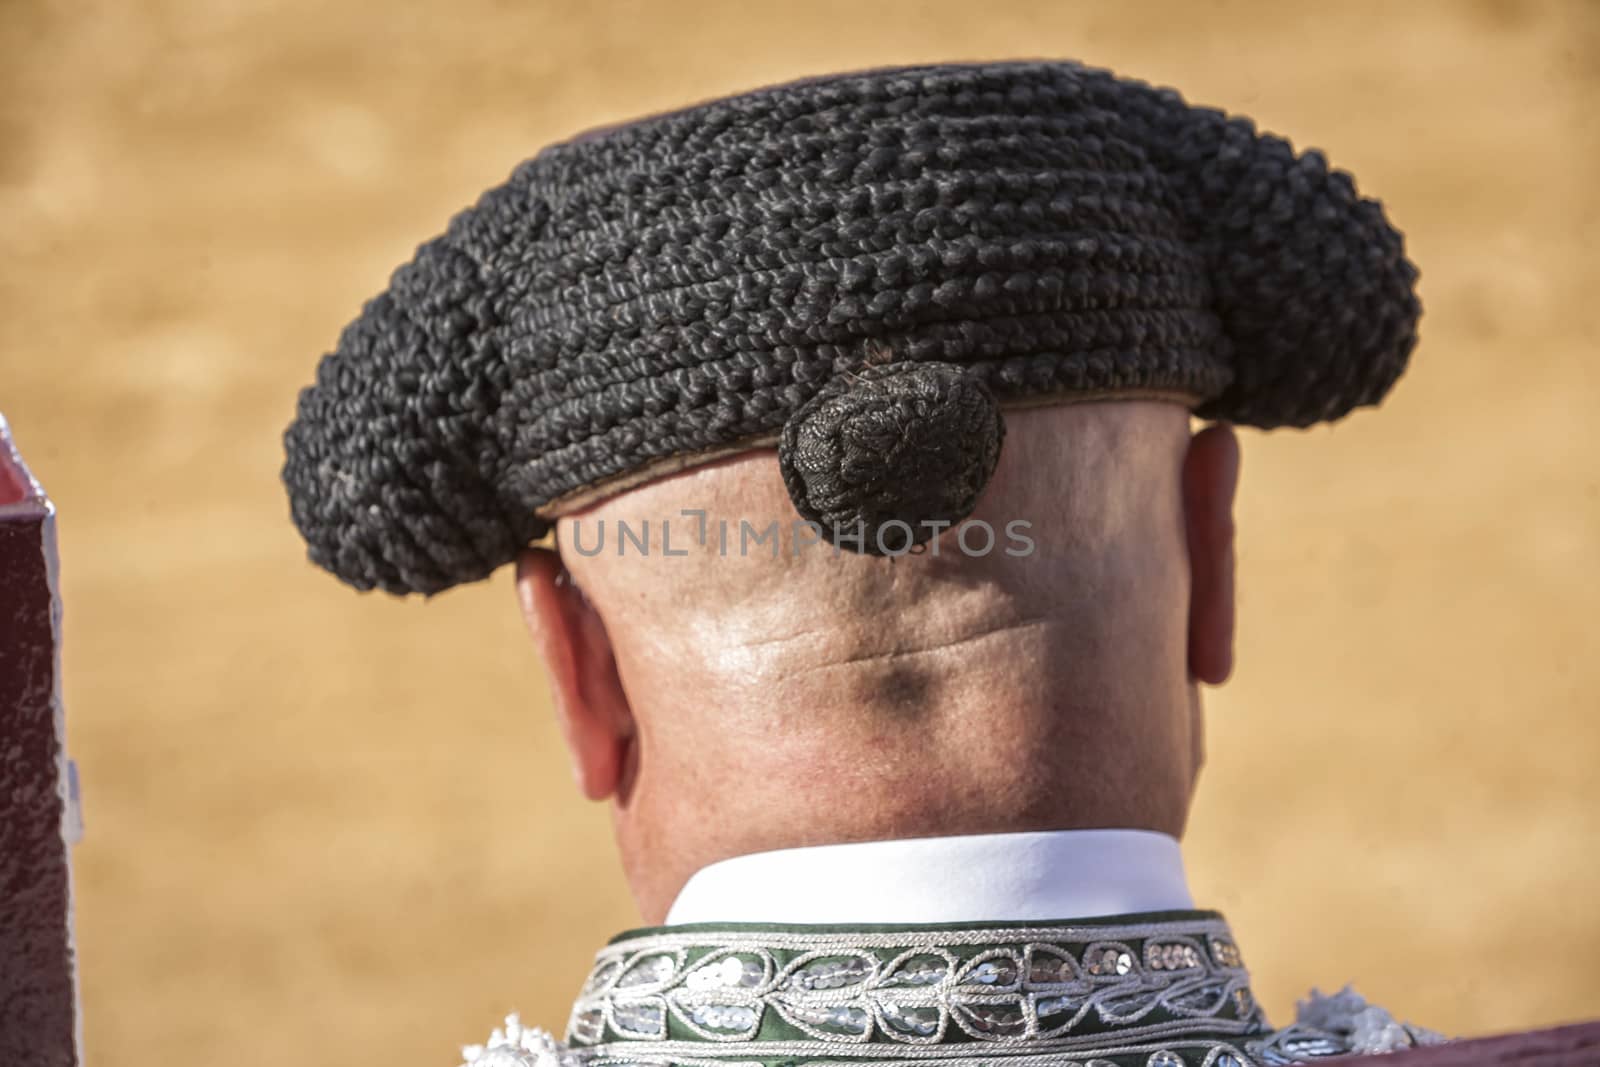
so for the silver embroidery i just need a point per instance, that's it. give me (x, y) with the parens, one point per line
(1206, 1053)
(1034, 987)
(917, 968)
(1059, 1013)
(736, 1020)
(641, 1017)
(587, 1026)
(1226, 952)
(1108, 961)
(999, 1019)
(602, 976)
(1173, 991)
(991, 972)
(824, 972)
(826, 1021)
(649, 971)
(1050, 967)
(729, 970)
(1201, 999)
(911, 1022)
(1171, 956)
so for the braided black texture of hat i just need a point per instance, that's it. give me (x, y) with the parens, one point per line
(687, 283)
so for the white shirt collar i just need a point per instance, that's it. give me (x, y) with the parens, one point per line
(1014, 877)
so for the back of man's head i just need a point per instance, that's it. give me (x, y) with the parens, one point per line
(735, 684)
(996, 286)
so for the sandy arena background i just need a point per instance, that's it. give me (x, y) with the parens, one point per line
(328, 828)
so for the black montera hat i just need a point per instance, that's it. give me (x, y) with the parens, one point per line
(863, 270)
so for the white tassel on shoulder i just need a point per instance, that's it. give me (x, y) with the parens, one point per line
(515, 1045)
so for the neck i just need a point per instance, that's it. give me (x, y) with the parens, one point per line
(818, 778)
(1040, 876)
(1013, 745)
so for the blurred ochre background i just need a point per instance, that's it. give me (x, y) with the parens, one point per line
(331, 828)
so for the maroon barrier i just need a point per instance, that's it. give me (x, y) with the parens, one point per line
(38, 806)
(1566, 1046)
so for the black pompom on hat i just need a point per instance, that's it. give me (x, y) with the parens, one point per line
(724, 277)
(884, 458)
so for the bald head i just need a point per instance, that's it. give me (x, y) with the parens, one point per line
(729, 680)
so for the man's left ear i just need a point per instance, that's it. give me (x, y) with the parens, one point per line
(590, 705)
(1210, 478)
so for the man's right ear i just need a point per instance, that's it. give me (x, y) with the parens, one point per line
(1210, 479)
(593, 711)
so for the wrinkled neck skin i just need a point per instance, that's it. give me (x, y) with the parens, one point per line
(828, 698)
(976, 744)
